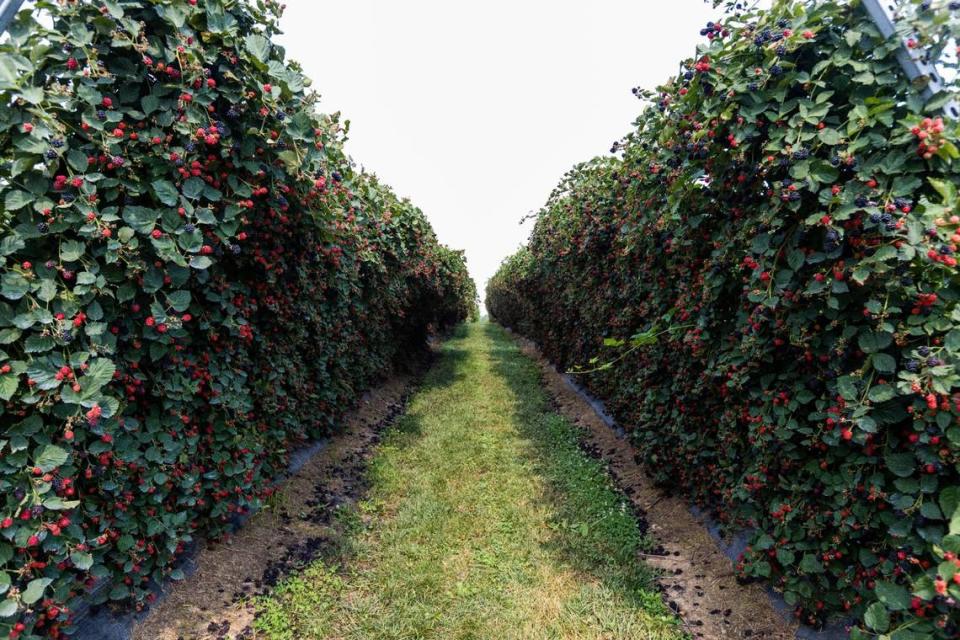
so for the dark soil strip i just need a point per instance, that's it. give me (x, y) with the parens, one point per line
(698, 580)
(296, 527)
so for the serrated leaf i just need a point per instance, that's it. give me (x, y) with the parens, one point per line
(166, 192)
(13, 286)
(34, 590)
(8, 386)
(98, 374)
(81, 560)
(16, 200)
(200, 262)
(193, 188)
(874, 341)
(149, 104)
(72, 250)
(847, 388)
(881, 392)
(77, 160)
(829, 136)
(811, 564)
(125, 543)
(900, 464)
(11, 244)
(142, 219)
(179, 300)
(50, 457)
(218, 20)
(894, 596)
(39, 344)
(56, 503)
(884, 363)
(877, 617)
(258, 46)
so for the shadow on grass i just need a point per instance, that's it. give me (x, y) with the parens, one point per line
(597, 530)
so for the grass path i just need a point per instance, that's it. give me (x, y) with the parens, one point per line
(484, 520)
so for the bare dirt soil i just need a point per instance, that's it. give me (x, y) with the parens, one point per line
(698, 580)
(216, 602)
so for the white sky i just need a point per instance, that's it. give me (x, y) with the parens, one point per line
(475, 110)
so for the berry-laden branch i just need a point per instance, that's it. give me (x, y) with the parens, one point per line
(792, 194)
(194, 282)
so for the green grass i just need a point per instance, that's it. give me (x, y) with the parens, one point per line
(484, 520)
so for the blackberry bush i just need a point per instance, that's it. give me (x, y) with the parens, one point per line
(194, 280)
(772, 258)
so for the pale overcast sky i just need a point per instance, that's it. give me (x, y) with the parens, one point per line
(475, 110)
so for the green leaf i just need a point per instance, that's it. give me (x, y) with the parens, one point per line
(193, 188)
(125, 543)
(15, 200)
(884, 363)
(149, 104)
(13, 286)
(8, 386)
(877, 617)
(823, 172)
(11, 244)
(34, 590)
(8, 608)
(141, 219)
(829, 136)
(881, 392)
(949, 499)
(179, 300)
(72, 250)
(50, 457)
(946, 189)
(900, 464)
(811, 564)
(99, 373)
(200, 262)
(847, 388)
(166, 192)
(205, 216)
(39, 344)
(114, 8)
(120, 592)
(56, 503)
(952, 341)
(800, 170)
(873, 341)
(258, 46)
(81, 561)
(77, 160)
(218, 20)
(896, 597)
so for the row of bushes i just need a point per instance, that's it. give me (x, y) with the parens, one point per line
(763, 289)
(195, 280)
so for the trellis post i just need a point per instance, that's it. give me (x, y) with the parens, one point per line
(883, 13)
(8, 9)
